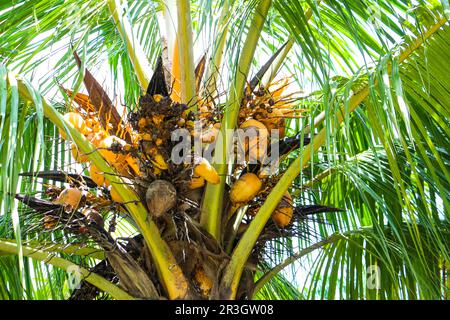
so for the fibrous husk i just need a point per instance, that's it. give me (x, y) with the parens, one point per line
(161, 196)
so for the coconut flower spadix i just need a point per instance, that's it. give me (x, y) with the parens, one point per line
(275, 121)
(109, 143)
(245, 188)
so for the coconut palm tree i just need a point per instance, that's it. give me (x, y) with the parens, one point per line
(358, 207)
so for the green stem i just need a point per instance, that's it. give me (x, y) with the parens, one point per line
(135, 52)
(213, 199)
(186, 54)
(169, 272)
(48, 257)
(240, 255)
(94, 253)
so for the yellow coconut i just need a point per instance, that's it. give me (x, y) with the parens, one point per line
(97, 176)
(204, 169)
(78, 155)
(196, 182)
(256, 144)
(245, 188)
(75, 120)
(283, 213)
(69, 197)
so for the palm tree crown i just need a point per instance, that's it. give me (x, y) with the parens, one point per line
(356, 91)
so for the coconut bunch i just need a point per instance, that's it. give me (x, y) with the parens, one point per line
(138, 146)
(264, 111)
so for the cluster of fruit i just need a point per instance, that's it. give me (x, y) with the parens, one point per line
(147, 151)
(248, 187)
(265, 111)
(113, 149)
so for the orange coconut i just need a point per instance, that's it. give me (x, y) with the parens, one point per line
(256, 145)
(196, 182)
(69, 197)
(202, 168)
(283, 213)
(245, 188)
